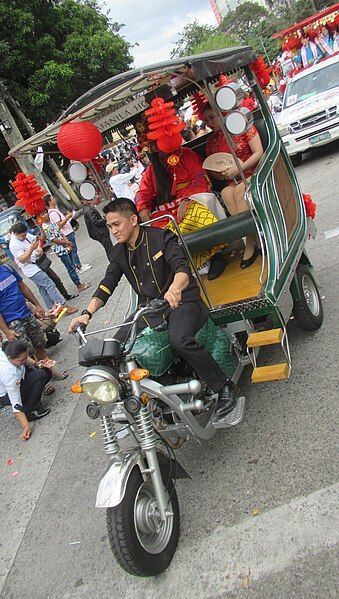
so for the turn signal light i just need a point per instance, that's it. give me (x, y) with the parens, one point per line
(137, 374)
(76, 388)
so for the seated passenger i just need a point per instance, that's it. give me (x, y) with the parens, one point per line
(249, 151)
(178, 185)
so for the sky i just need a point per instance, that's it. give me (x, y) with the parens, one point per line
(155, 24)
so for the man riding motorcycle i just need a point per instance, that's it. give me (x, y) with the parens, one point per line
(156, 267)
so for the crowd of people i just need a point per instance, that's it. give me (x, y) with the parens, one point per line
(29, 327)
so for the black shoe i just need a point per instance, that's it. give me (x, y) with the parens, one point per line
(37, 414)
(249, 261)
(217, 266)
(71, 297)
(227, 399)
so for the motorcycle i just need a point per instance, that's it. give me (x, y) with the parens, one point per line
(155, 415)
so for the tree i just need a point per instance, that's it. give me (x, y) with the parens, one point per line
(55, 50)
(243, 20)
(217, 41)
(191, 36)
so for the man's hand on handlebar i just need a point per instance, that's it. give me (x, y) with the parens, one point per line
(84, 320)
(173, 296)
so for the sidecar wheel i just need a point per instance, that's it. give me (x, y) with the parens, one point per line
(142, 544)
(308, 311)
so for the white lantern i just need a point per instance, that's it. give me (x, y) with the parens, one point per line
(77, 172)
(87, 190)
(229, 96)
(239, 121)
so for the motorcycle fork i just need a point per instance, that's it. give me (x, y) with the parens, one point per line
(148, 442)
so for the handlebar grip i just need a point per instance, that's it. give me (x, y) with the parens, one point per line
(80, 328)
(157, 304)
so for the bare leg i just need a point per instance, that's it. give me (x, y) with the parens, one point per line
(241, 206)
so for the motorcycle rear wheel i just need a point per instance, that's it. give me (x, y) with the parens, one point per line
(142, 544)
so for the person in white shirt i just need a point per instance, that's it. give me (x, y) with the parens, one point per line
(119, 181)
(24, 248)
(58, 218)
(22, 384)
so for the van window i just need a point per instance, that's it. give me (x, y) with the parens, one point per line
(312, 84)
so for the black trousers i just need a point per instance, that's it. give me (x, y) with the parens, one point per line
(57, 282)
(31, 389)
(183, 323)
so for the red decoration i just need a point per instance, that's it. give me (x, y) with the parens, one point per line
(223, 80)
(79, 141)
(164, 125)
(261, 71)
(29, 194)
(198, 103)
(310, 206)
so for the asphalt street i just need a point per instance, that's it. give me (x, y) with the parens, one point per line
(258, 517)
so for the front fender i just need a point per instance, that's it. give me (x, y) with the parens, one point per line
(113, 483)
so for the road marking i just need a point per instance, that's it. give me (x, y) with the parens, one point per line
(332, 233)
(233, 558)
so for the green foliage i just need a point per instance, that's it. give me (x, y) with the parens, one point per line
(191, 36)
(52, 51)
(243, 20)
(217, 41)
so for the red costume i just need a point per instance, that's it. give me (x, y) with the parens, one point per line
(187, 175)
(218, 143)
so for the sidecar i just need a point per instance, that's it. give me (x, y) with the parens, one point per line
(253, 306)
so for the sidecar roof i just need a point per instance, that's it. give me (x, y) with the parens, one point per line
(127, 91)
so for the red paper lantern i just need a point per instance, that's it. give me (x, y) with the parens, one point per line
(29, 194)
(169, 143)
(261, 71)
(79, 141)
(164, 125)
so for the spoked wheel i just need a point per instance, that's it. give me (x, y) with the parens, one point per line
(142, 543)
(309, 310)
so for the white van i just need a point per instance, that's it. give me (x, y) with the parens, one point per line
(310, 112)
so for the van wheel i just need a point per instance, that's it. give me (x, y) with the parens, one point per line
(308, 311)
(296, 159)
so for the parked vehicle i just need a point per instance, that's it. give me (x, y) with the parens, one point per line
(310, 113)
(141, 389)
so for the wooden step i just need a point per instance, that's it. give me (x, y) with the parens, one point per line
(274, 372)
(261, 338)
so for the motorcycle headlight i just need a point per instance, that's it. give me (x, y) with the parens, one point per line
(100, 386)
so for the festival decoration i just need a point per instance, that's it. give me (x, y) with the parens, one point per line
(261, 71)
(164, 125)
(30, 195)
(223, 80)
(198, 103)
(310, 206)
(79, 141)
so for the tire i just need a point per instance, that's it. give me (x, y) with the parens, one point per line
(309, 310)
(296, 159)
(142, 553)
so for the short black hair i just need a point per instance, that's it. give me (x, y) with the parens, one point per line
(47, 199)
(19, 227)
(125, 206)
(14, 348)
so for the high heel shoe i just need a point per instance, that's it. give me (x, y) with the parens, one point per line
(249, 261)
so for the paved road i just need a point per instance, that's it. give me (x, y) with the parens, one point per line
(280, 462)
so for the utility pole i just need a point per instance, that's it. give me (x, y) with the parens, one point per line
(26, 163)
(13, 136)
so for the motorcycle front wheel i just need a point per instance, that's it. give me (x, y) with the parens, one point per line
(142, 544)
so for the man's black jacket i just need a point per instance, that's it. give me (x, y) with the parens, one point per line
(149, 267)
